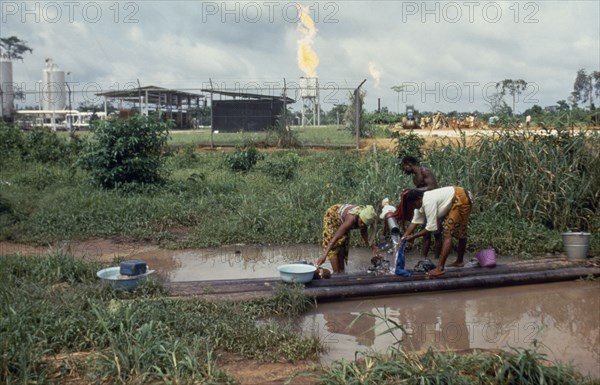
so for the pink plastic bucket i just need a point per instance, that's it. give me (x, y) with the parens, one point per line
(486, 258)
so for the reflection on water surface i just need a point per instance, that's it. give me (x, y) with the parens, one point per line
(563, 319)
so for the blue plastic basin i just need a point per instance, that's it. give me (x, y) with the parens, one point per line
(297, 272)
(113, 276)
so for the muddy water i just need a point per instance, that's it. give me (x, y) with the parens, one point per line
(236, 262)
(563, 319)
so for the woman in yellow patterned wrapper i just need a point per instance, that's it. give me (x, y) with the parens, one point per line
(339, 219)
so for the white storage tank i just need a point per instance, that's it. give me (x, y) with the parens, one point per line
(54, 96)
(6, 84)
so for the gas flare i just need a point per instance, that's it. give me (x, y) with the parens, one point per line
(307, 57)
(375, 73)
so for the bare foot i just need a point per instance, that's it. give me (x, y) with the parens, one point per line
(435, 273)
(456, 264)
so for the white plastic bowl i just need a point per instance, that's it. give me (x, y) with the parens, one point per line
(297, 272)
(113, 276)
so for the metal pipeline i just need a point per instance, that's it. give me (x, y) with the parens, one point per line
(392, 225)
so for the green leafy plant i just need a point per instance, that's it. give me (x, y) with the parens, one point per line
(11, 141)
(407, 144)
(56, 306)
(127, 151)
(243, 158)
(282, 168)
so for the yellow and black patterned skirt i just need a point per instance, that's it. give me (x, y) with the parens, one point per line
(457, 220)
(331, 222)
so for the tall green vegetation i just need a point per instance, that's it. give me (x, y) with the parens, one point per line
(408, 144)
(586, 87)
(127, 151)
(543, 179)
(59, 324)
(38, 146)
(514, 87)
(518, 367)
(528, 189)
(243, 158)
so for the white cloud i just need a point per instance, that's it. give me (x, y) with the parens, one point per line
(184, 44)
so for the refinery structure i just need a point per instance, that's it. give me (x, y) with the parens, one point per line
(230, 109)
(53, 99)
(240, 111)
(309, 93)
(6, 88)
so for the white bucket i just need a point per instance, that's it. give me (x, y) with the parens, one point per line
(576, 245)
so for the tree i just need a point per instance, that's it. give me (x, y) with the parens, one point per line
(596, 81)
(586, 87)
(563, 105)
(13, 48)
(497, 105)
(335, 115)
(88, 106)
(534, 111)
(582, 87)
(513, 87)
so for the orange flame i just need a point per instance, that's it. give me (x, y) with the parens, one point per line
(375, 73)
(307, 57)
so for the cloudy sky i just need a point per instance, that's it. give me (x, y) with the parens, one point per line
(448, 55)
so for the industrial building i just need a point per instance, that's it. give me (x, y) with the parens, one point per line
(169, 104)
(246, 112)
(227, 111)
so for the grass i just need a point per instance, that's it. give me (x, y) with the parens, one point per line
(528, 189)
(55, 307)
(60, 325)
(520, 367)
(57, 322)
(310, 135)
(517, 367)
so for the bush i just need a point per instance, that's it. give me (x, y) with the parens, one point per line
(243, 158)
(40, 145)
(408, 144)
(283, 168)
(127, 151)
(185, 157)
(11, 141)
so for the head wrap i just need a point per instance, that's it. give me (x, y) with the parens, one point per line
(367, 215)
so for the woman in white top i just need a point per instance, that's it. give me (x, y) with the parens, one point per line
(448, 208)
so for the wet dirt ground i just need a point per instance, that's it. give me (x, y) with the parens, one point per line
(562, 319)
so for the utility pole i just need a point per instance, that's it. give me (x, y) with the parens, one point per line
(212, 144)
(357, 112)
(398, 89)
(69, 115)
(285, 127)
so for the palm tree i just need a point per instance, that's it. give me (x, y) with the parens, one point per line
(13, 48)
